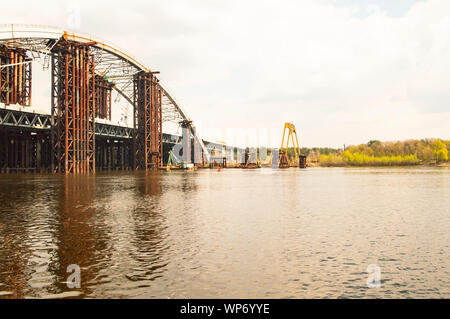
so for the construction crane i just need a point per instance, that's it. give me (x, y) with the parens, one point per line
(283, 159)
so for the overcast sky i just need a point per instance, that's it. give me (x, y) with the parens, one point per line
(344, 71)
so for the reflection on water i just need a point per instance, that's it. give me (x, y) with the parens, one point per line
(238, 233)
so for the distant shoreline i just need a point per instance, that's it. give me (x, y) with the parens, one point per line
(378, 166)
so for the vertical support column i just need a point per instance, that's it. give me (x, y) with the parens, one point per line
(16, 152)
(122, 155)
(38, 152)
(3, 146)
(55, 125)
(73, 109)
(105, 155)
(7, 150)
(90, 151)
(198, 153)
(103, 98)
(109, 155)
(155, 146)
(161, 159)
(186, 142)
(15, 78)
(147, 121)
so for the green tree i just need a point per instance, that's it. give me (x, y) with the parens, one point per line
(376, 153)
(440, 152)
(427, 154)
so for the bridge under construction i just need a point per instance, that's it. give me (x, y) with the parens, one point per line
(73, 137)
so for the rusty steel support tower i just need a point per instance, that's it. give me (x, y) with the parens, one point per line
(103, 96)
(15, 76)
(147, 122)
(73, 108)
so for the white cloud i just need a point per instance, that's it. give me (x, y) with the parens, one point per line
(341, 78)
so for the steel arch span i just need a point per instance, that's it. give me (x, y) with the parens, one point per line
(84, 70)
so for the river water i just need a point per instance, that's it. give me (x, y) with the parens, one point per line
(259, 233)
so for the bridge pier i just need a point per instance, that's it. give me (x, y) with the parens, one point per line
(147, 143)
(186, 141)
(24, 152)
(113, 154)
(73, 108)
(192, 150)
(30, 151)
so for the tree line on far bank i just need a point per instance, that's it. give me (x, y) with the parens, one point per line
(376, 153)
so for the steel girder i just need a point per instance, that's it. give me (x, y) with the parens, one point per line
(25, 120)
(36, 122)
(113, 131)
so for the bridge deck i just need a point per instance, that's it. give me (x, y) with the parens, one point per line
(25, 143)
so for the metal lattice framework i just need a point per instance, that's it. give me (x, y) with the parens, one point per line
(34, 122)
(25, 120)
(73, 107)
(111, 63)
(103, 96)
(147, 121)
(15, 76)
(113, 131)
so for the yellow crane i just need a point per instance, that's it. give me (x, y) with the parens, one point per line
(300, 161)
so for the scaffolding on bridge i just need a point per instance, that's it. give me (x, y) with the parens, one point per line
(84, 72)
